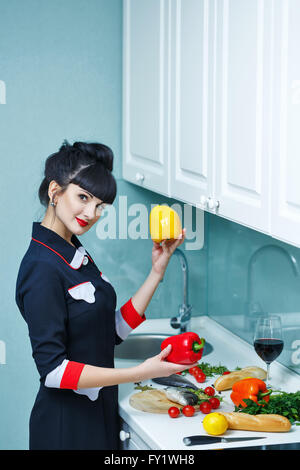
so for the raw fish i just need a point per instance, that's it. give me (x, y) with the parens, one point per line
(175, 380)
(181, 396)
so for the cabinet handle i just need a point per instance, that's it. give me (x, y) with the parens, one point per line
(124, 435)
(203, 201)
(139, 177)
(212, 204)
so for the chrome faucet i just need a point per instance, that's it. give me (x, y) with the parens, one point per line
(253, 259)
(185, 310)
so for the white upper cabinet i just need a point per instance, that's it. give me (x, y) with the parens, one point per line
(285, 206)
(212, 107)
(243, 110)
(191, 98)
(145, 90)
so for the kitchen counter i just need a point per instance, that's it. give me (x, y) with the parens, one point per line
(160, 432)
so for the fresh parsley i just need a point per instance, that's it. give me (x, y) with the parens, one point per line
(210, 370)
(143, 388)
(281, 403)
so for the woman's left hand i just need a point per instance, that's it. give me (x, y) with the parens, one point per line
(161, 253)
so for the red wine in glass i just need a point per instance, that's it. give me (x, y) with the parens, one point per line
(268, 342)
(268, 349)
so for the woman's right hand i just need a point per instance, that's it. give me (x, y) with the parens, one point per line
(156, 366)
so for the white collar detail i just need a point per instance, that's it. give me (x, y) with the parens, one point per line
(77, 260)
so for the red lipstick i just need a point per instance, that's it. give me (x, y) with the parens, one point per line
(82, 223)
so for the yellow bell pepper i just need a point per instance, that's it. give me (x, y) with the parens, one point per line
(164, 223)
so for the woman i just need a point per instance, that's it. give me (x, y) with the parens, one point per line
(70, 308)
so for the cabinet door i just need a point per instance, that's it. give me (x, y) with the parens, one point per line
(132, 441)
(285, 222)
(243, 110)
(191, 103)
(145, 75)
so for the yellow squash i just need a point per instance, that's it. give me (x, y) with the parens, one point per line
(164, 224)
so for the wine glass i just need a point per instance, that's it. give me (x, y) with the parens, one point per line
(268, 342)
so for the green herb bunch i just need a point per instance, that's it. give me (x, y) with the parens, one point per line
(209, 370)
(281, 403)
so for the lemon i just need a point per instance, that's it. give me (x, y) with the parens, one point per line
(215, 424)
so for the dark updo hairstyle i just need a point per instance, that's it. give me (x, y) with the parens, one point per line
(89, 165)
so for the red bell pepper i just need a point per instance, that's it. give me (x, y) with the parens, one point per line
(187, 348)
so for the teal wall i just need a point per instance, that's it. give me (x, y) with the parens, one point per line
(61, 61)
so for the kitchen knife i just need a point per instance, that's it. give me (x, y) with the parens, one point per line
(198, 440)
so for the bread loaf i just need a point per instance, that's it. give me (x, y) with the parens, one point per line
(226, 381)
(262, 422)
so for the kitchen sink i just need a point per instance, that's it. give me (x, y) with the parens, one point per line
(144, 345)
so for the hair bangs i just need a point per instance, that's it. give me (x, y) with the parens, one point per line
(97, 180)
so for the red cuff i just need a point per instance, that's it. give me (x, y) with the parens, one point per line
(131, 316)
(71, 375)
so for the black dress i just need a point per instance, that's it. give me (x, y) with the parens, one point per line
(72, 320)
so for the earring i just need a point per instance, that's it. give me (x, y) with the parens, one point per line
(52, 204)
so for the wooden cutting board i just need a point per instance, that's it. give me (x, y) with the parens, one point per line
(152, 401)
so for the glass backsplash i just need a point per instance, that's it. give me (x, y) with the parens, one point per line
(248, 274)
(128, 262)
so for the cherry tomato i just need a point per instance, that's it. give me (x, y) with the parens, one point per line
(209, 391)
(215, 402)
(194, 370)
(200, 377)
(205, 407)
(226, 372)
(173, 412)
(198, 371)
(188, 410)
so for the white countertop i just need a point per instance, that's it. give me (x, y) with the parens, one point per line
(160, 432)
